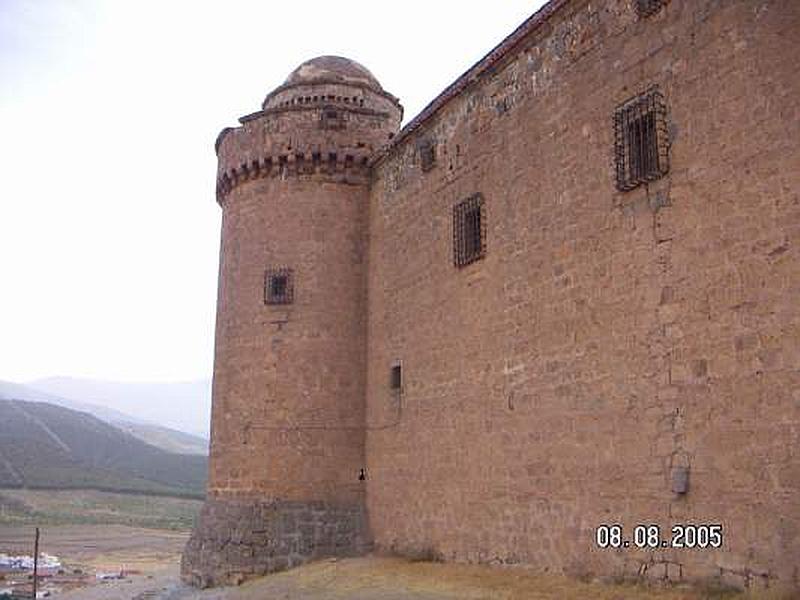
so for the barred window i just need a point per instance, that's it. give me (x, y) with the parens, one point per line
(469, 230)
(645, 8)
(641, 144)
(330, 118)
(427, 155)
(279, 286)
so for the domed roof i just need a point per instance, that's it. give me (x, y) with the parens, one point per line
(332, 68)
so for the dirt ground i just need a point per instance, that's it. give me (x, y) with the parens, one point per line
(87, 549)
(155, 555)
(376, 578)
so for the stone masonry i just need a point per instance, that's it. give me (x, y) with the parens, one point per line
(249, 537)
(622, 347)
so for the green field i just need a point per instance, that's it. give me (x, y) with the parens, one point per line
(62, 507)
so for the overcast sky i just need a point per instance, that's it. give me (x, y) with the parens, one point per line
(108, 113)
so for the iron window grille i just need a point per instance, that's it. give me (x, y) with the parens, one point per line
(427, 155)
(641, 140)
(645, 8)
(279, 286)
(469, 230)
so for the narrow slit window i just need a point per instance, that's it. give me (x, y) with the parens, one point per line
(641, 147)
(469, 230)
(396, 377)
(279, 286)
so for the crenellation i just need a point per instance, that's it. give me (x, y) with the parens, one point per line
(299, 163)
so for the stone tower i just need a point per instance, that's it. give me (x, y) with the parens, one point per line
(287, 439)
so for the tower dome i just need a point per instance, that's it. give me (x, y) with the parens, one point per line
(332, 69)
(327, 78)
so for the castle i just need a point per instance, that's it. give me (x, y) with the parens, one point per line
(562, 299)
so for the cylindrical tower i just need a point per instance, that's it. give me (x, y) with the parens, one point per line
(287, 437)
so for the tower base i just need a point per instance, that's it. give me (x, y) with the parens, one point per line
(236, 539)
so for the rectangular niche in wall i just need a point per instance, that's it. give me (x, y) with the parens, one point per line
(469, 230)
(332, 118)
(427, 155)
(396, 377)
(641, 140)
(279, 286)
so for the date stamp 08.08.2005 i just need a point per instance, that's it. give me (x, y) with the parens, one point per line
(650, 537)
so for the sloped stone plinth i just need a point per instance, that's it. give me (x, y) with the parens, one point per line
(234, 540)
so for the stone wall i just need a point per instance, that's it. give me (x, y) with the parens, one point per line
(608, 343)
(238, 539)
(608, 339)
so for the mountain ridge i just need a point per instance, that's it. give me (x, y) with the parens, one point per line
(169, 439)
(52, 447)
(181, 405)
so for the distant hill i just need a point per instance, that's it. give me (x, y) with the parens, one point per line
(184, 405)
(48, 446)
(17, 391)
(162, 437)
(167, 439)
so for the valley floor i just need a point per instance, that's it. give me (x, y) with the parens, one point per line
(85, 550)
(46, 508)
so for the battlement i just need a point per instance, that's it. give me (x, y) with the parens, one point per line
(327, 120)
(350, 168)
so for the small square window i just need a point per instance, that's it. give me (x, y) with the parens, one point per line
(279, 286)
(645, 8)
(330, 118)
(469, 230)
(641, 145)
(396, 377)
(427, 155)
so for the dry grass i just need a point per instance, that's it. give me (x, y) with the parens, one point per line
(375, 578)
